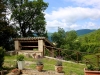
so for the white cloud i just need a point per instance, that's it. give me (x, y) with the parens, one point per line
(68, 17)
(90, 25)
(54, 24)
(92, 3)
(73, 14)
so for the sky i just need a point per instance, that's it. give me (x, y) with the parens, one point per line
(72, 14)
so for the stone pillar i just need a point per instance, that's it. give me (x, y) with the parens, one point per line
(17, 45)
(40, 46)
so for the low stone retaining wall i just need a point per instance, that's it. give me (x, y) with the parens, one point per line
(10, 52)
(33, 54)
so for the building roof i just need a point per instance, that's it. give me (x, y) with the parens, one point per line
(34, 39)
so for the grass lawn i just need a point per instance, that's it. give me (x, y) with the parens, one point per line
(49, 64)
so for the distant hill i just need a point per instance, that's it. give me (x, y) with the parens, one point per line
(92, 37)
(91, 42)
(83, 31)
(79, 33)
(49, 36)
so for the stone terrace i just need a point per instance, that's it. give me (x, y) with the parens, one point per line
(35, 72)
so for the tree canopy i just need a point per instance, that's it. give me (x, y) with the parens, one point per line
(6, 31)
(59, 37)
(28, 16)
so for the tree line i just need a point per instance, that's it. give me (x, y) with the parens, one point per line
(72, 44)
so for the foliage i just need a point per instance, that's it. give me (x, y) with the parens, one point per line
(64, 39)
(59, 37)
(58, 63)
(90, 42)
(28, 16)
(20, 57)
(90, 67)
(7, 31)
(2, 9)
(6, 35)
(2, 54)
(39, 62)
(67, 41)
(93, 68)
(72, 44)
(92, 61)
(71, 40)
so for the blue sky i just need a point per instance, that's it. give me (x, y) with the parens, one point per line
(72, 14)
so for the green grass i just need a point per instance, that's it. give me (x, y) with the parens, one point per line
(13, 57)
(68, 67)
(49, 64)
(10, 57)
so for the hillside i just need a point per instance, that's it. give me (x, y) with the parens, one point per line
(83, 31)
(91, 37)
(91, 42)
(79, 33)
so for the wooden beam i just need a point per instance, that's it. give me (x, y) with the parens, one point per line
(49, 47)
(29, 46)
(27, 41)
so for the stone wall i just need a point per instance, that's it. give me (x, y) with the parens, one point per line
(33, 54)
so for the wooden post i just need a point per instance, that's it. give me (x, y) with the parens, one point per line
(59, 52)
(98, 60)
(44, 50)
(2, 72)
(52, 52)
(77, 57)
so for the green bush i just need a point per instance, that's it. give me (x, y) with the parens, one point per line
(58, 63)
(39, 62)
(20, 57)
(2, 54)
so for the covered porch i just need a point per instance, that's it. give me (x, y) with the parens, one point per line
(33, 46)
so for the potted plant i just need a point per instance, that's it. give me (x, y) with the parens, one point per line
(93, 67)
(58, 66)
(20, 61)
(39, 65)
(91, 70)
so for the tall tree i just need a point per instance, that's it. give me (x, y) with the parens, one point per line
(59, 37)
(28, 16)
(6, 31)
(71, 39)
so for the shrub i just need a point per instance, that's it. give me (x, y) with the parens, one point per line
(2, 54)
(90, 67)
(20, 57)
(59, 63)
(39, 62)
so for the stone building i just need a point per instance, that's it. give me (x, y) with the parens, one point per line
(34, 46)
